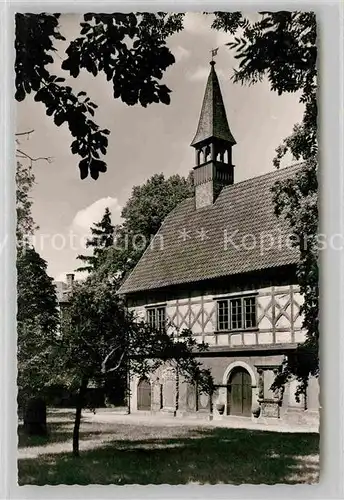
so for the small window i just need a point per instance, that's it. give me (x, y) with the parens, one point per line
(223, 317)
(250, 312)
(151, 317)
(156, 318)
(236, 314)
(161, 319)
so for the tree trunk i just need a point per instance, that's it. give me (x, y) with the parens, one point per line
(35, 417)
(177, 392)
(79, 406)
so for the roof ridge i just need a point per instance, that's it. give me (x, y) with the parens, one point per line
(266, 174)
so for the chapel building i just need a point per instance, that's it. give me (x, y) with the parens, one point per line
(222, 264)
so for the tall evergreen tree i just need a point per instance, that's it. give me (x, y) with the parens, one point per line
(37, 308)
(143, 214)
(102, 237)
(37, 323)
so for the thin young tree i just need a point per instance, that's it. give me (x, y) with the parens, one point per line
(101, 336)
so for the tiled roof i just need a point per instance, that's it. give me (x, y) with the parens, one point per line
(213, 120)
(191, 244)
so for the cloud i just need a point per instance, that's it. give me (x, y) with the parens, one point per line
(197, 23)
(201, 74)
(86, 217)
(181, 53)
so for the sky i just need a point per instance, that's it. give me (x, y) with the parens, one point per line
(143, 141)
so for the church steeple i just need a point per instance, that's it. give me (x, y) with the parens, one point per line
(213, 143)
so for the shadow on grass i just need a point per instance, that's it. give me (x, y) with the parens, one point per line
(212, 456)
(58, 432)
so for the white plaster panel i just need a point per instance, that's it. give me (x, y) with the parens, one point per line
(171, 309)
(249, 338)
(283, 337)
(222, 339)
(298, 298)
(282, 321)
(139, 312)
(199, 338)
(209, 306)
(171, 329)
(236, 339)
(298, 322)
(264, 323)
(183, 309)
(263, 301)
(265, 338)
(196, 312)
(209, 339)
(197, 328)
(300, 336)
(209, 326)
(282, 299)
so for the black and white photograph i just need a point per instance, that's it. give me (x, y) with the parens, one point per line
(167, 248)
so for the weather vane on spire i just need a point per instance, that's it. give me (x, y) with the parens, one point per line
(214, 53)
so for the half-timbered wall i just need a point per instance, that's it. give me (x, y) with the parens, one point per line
(277, 311)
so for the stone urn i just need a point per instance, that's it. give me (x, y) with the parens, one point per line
(256, 410)
(220, 408)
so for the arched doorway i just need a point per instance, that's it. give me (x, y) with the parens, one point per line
(239, 393)
(144, 395)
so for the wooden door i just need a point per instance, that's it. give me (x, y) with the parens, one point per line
(144, 395)
(239, 393)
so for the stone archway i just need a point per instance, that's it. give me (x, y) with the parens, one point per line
(240, 382)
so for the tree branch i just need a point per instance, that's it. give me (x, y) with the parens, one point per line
(25, 133)
(24, 155)
(115, 367)
(108, 357)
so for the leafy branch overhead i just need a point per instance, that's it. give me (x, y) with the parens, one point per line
(130, 49)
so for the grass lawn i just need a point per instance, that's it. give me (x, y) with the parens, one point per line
(131, 453)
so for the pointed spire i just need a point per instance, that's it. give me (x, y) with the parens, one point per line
(213, 120)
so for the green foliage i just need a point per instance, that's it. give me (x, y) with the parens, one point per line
(37, 323)
(37, 312)
(103, 237)
(130, 49)
(281, 46)
(143, 215)
(103, 337)
(296, 199)
(25, 181)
